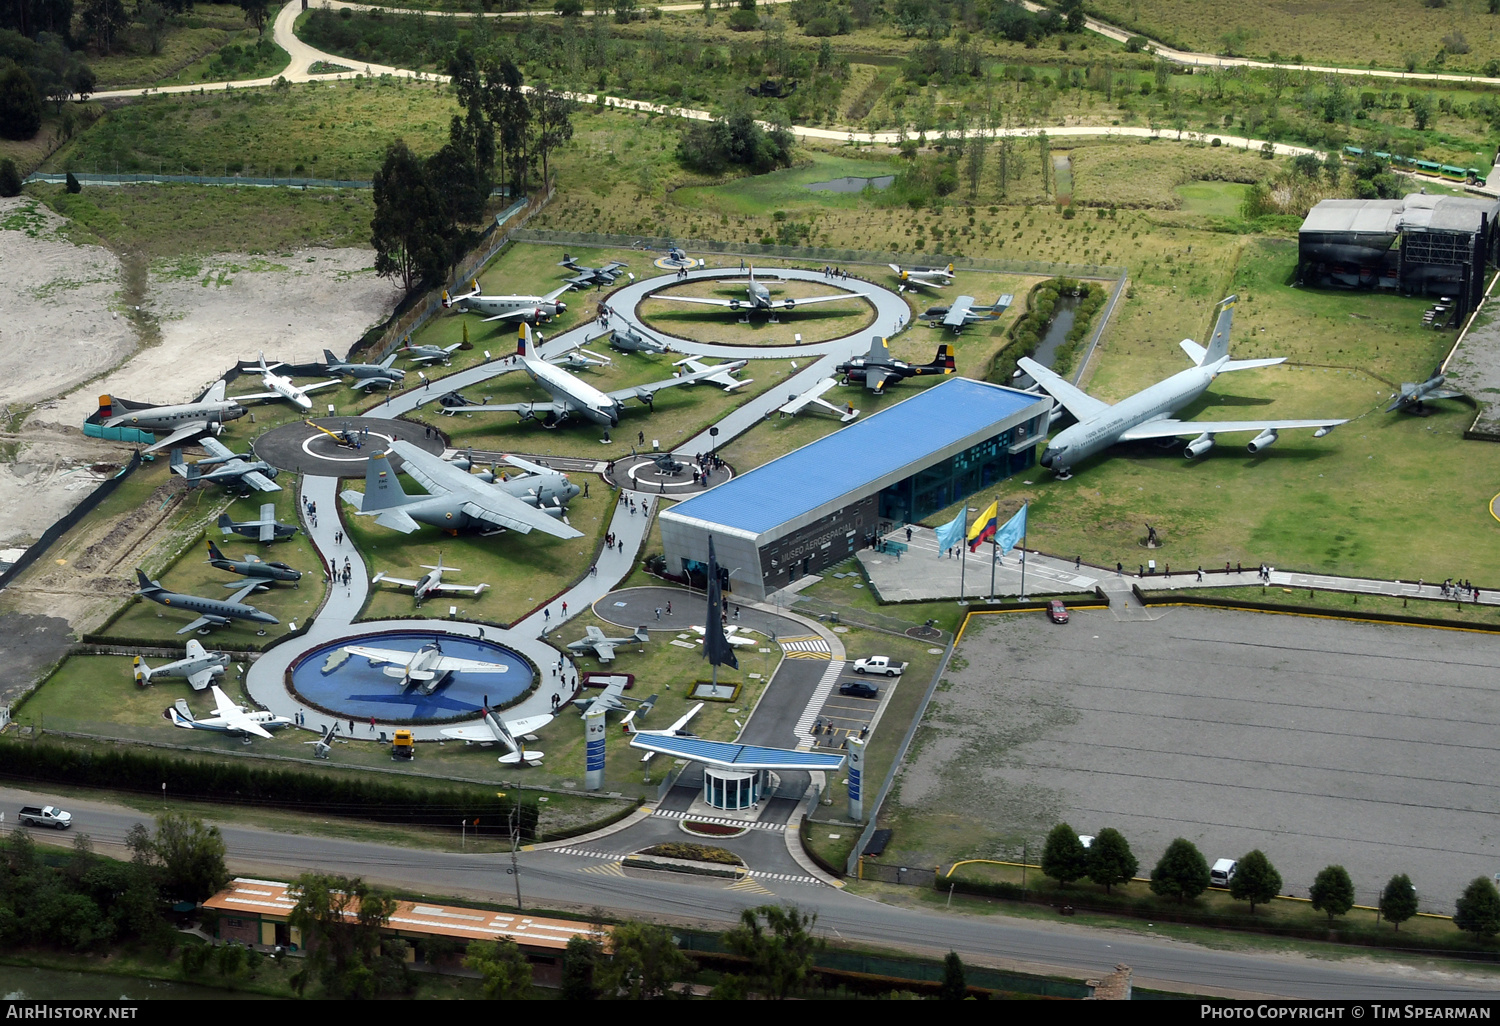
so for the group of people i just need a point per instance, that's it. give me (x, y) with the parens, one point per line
(835, 272)
(1460, 590)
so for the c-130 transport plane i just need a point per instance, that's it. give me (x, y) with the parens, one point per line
(1147, 414)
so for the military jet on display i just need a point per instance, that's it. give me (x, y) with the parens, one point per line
(926, 277)
(814, 396)
(228, 718)
(199, 668)
(963, 312)
(230, 468)
(281, 387)
(714, 374)
(1146, 414)
(757, 298)
(580, 359)
(877, 367)
(613, 699)
(187, 420)
(677, 729)
(571, 396)
(505, 732)
(251, 568)
(366, 375)
(324, 745)
(458, 499)
(531, 309)
(266, 529)
(1413, 395)
(432, 582)
(731, 635)
(212, 612)
(423, 356)
(427, 667)
(586, 276)
(595, 641)
(627, 340)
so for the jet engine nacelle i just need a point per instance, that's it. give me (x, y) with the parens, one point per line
(1198, 446)
(1264, 440)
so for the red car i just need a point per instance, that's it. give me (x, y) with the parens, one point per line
(1057, 612)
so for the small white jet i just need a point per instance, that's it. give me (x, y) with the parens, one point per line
(506, 732)
(281, 387)
(757, 297)
(731, 635)
(427, 666)
(431, 582)
(814, 396)
(677, 729)
(228, 718)
(531, 309)
(198, 669)
(926, 277)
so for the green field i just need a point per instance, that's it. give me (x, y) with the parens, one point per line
(1220, 199)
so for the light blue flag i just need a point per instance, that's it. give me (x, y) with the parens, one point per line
(1013, 531)
(951, 533)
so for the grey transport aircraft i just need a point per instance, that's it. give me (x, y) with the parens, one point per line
(198, 667)
(366, 375)
(211, 612)
(227, 468)
(757, 297)
(186, 420)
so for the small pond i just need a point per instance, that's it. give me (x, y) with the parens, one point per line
(849, 183)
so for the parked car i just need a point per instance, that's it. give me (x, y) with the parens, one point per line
(1222, 872)
(880, 664)
(859, 689)
(45, 815)
(1057, 612)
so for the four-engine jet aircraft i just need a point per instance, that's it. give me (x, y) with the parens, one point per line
(1414, 394)
(506, 732)
(595, 641)
(1147, 414)
(266, 529)
(431, 582)
(424, 356)
(251, 568)
(963, 312)
(586, 276)
(427, 666)
(211, 612)
(877, 367)
(199, 668)
(228, 718)
(366, 375)
(757, 297)
(281, 387)
(459, 499)
(184, 421)
(571, 396)
(229, 469)
(926, 277)
(627, 340)
(531, 309)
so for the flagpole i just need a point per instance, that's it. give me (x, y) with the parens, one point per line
(994, 548)
(963, 556)
(1026, 506)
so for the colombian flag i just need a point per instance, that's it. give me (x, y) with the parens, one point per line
(984, 526)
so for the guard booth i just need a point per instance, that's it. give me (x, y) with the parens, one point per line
(735, 776)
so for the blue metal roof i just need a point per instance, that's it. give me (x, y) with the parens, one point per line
(867, 450)
(729, 755)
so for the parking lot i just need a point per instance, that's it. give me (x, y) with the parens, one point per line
(1317, 741)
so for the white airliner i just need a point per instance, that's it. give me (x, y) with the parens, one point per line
(1147, 414)
(280, 387)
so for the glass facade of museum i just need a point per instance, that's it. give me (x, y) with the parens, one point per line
(964, 473)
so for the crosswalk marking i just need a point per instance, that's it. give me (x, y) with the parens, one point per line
(803, 729)
(747, 884)
(774, 827)
(590, 854)
(608, 869)
(804, 643)
(788, 877)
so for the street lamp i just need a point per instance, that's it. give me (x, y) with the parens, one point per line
(713, 433)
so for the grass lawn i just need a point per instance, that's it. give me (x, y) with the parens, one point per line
(1220, 199)
(187, 40)
(787, 190)
(817, 323)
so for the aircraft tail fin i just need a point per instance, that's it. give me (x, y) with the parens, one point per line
(329, 358)
(524, 343)
(146, 584)
(642, 634)
(213, 551)
(382, 489)
(142, 672)
(943, 363)
(226, 523)
(1218, 344)
(106, 406)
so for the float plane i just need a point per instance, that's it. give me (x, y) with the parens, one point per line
(877, 367)
(531, 309)
(366, 375)
(279, 386)
(505, 732)
(211, 612)
(757, 297)
(926, 277)
(251, 568)
(430, 582)
(1147, 414)
(187, 420)
(595, 641)
(199, 668)
(266, 529)
(228, 718)
(1413, 395)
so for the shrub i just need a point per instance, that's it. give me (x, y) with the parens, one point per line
(744, 21)
(10, 178)
(20, 105)
(73, 184)
(1135, 44)
(1478, 911)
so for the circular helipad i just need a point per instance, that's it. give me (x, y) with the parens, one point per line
(666, 474)
(339, 446)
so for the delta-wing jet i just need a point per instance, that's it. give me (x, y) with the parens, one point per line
(531, 309)
(279, 386)
(266, 529)
(184, 421)
(1414, 394)
(1147, 414)
(198, 668)
(925, 277)
(603, 647)
(366, 375)
(228, 718)
(251, 569)
(211, 612)
(505, 732)
(226, 468)
(878, 367)
(431, 582)
(757, 298)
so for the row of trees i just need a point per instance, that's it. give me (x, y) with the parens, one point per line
(1182, 873)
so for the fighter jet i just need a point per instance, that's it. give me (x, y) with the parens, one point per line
(423, 356)
(187, 420)
(1412, 395)
(458, 499)
(586, 276)
(877, 367)
(1147, 414)
(731, 635)
(366, 375)
(199, 668)
(963, 312)
(230, 469)
(228, 718)
(758, 298)
(212, 612)
(627, 340)
(280, 387)
(580, 359)
(531, 309)
(570, 395)
(427, 667)
(925, 277)
(814, 396)
(266, 529)
(505, 732)
(430, 582)
(594, 641)
(613, 699)
(251, 569)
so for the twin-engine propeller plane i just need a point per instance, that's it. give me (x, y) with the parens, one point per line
(757, 298)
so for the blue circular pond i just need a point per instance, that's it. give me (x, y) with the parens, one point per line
(363, 684)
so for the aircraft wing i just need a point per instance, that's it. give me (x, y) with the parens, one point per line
(180, 435)
(200, 680)
(1078, 402)
(383, 576)
(530, 725)
(876, 377)
(645, 392)
(304, 389)
(537, 409)
(202, 621)
(513, 315)
(504, 510)
(788, 304)
(604, 649)
(253, 396)
(245, 589)
(260, 482)
(217, 448)
(958, 314)
(233, 717)
(552, 296)
(718, 375)
(706, 301)
(480, 501)
(381, 656)
(473, 589)
(482, 734)
(1169, 428)
(453, 664)
(527, 465)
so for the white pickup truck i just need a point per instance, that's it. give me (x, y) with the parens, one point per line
(879, 664)
(45, 815)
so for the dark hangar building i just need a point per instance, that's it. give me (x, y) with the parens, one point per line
(1420, 245)
(813, 507)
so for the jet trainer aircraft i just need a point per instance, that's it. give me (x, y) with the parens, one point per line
(926, 277)
(531, 309)
(251, 568)
(280, 386)
(877, 367)
(613, 699)
(366, 375)
(432, 582)
(211, 612)
(628, 340)
(571, 396)
(757, 297)
(424, 356)
(1147, 414)
(199, 668)
(963, 312)
(228, 718)
(230, 468)
(1413, 395)
(458, 499)
(427, 666)
(266, 529)
(595, 641)
(187, 420)
(586, 276)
